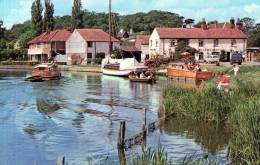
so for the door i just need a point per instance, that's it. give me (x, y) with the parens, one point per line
(228, 56)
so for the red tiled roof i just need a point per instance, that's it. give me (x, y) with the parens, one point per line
(144, 39)
(129, 48)
(141, 40)
(53, 36)
(97, 35)
(199, 33)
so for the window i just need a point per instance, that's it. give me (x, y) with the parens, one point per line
(233, 43)
(151, 43)
(90, 55)
(201, 43)
(216, 42)
(90, 44)
(156, 43)
(172, 43)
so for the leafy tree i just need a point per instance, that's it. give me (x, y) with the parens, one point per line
(24, 38)
(62, 22)
(49, 22)
(248, 23)
(189, 21)
(2, 29)
(36, 12)
(254, 37)
(77, 15)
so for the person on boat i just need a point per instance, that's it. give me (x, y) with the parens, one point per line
(197, 68)
(142, 75)
(185, 66)
(224, 81)
(235, 69)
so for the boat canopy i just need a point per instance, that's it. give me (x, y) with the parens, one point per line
(44, 65)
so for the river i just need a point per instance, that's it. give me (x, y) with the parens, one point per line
(78, 117)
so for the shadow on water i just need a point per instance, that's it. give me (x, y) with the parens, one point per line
(212, 137)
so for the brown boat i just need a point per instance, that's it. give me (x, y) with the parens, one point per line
(45, 71)
(198, 75)
(144, 80)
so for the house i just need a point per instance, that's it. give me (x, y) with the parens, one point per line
(206, 39)
(126, 36)
(142, 44)
(129, 51)
(47, 45)
(85, 45)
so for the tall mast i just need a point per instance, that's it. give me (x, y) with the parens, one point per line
(110, 31)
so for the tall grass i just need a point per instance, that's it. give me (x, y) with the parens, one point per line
(240, 108)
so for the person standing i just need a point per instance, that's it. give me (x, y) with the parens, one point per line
(235, 69)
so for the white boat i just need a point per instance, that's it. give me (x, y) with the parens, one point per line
(120, 67)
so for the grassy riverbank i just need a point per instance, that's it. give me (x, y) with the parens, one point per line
(239, 108)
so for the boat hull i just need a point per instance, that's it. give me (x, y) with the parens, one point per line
(143, 80)
(175, 72)
(111, 72)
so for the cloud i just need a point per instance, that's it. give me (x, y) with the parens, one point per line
(251, 8)
(19, 14)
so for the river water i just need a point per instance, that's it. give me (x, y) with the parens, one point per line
(78, 116)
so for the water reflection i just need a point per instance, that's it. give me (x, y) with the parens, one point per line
(213, 138)
(186, 83)
(46, 107)
(78, 116)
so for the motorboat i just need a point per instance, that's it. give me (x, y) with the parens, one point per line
(44, 72)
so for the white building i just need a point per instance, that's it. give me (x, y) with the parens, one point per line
(207, 39)
(85, 45)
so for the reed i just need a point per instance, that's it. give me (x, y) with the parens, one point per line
(240, 108)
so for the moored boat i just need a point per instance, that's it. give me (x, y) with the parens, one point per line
(45, 71)
(144, 80)
(198, 75)
(120, 67)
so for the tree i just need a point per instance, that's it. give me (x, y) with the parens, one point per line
(248, 23)
(189, 22)
(36, 12)
(77, 15)
(49, 22)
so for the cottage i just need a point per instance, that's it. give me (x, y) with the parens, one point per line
(208, 40)
(47, 45)
(142, 44)
(85, 45)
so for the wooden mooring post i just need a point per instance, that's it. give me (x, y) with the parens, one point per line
(61, 160)
(145, 116)
(121, 135)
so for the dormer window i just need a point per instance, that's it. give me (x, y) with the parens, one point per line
(201, 43)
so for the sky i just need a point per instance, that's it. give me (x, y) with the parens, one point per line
(18, 11)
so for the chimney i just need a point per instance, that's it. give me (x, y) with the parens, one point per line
(216, 24)
(232, 23)
(204, 24)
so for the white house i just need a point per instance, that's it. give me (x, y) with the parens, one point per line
(86, 44)
(207, 39)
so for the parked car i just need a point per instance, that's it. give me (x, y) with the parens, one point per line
(236, 57)
(212, 59)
